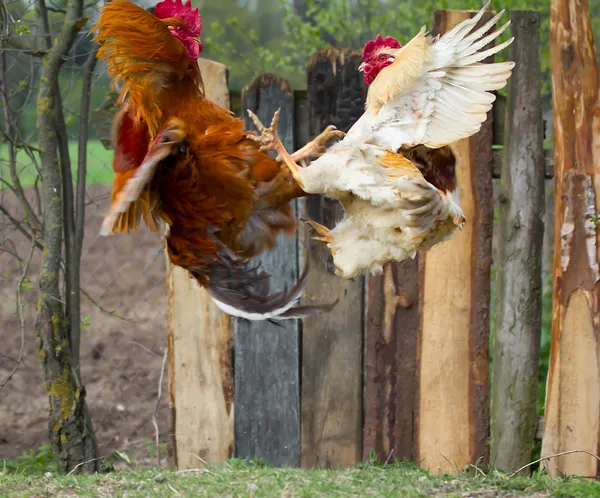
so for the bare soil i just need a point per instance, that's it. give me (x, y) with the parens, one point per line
(122, 347)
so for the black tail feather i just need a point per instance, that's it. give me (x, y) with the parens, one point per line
(243, 291)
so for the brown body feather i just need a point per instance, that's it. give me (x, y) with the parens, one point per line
(220, 195)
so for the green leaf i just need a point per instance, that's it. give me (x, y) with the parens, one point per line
(123, 457)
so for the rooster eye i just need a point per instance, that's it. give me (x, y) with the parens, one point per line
(179, 28)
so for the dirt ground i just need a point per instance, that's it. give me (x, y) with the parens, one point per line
(121, 353)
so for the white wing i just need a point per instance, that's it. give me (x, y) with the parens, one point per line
(437, 91)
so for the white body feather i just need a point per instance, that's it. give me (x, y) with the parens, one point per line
(435, 93)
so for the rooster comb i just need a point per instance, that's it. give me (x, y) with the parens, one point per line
(180, 10)
(378, 43)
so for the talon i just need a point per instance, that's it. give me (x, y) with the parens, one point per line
(268, 136)
(257, 122)
(275, 120)
(460, 221)
(323, 231)
(270, 141)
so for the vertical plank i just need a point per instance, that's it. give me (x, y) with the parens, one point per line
(572, 417)
(455, 299)
(332, 342)
(198, 341)
(266, 355)
(391, 386)
(519, 263)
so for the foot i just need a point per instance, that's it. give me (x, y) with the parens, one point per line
(316, 147)
(270, 141)
(325, 235)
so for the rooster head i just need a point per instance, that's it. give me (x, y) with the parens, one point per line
(184, 23)
(374, 57)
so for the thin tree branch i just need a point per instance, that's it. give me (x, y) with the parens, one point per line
(42, 12)
(16, 44)
(103, 310)
(75, 214)
(56, 9)
(160, 382)
(20, 306)
(19, 226)
(12, 253)
(549, 457)
(30, 216)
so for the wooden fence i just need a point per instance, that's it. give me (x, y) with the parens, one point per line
(401, 366)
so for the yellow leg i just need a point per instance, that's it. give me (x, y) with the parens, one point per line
(316, 147)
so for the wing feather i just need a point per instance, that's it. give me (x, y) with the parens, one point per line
(444, 98)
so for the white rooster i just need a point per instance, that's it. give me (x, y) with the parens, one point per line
(393, 172)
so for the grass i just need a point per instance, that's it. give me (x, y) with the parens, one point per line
(238, 478)
(99, 165)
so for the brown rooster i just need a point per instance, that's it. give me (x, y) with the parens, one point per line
(186, 161)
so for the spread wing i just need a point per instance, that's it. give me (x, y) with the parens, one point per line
(437, 91)
(137, 45)
(141, 54)
(133, 197)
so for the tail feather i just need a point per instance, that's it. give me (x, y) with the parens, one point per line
(244, 293)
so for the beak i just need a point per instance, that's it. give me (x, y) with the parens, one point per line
(197, 40)
(362, 66)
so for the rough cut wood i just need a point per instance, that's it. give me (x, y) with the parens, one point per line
(391, 387)
(572, 417)
(332, 342)
(519, 263)
(266, 355)
(548, 163)
(199, 337)
(455, 295)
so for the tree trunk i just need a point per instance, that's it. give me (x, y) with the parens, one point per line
(70, 427)
(572, 419)
(518, 301)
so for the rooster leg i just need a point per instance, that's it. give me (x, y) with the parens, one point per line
(325, 236)
(316, 147)
(270, 141)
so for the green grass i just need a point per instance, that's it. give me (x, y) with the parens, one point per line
(240, 479)
(99, 165)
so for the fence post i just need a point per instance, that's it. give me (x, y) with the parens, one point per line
(519, 279)
(391, 384)
(455, 317)
(332, 342)
(266, 355)
(572, 417)
(198, 339)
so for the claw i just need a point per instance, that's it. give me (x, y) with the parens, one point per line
(316, 147)
(268, 136)
(270, 141)
(320, 229)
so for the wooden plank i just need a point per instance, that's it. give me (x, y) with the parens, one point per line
(572, 416)
(332, 342)
(266, 355)
(519, 263)
(455, 297)
(548, 163)
(391, 367)
(199, 337)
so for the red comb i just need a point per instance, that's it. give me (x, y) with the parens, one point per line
(378, 43)
(180, 10)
